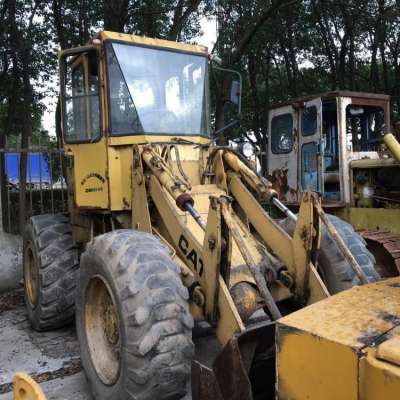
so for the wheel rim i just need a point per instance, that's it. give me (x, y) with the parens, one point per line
(102, 330)
(31, 275)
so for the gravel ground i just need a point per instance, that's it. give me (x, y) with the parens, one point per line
(51, 358)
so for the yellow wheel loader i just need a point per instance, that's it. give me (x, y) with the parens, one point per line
(167, 254)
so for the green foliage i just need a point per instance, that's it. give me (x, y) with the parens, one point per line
(309, 47)
(295, 48)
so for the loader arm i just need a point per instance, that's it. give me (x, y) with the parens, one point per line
(219, 249)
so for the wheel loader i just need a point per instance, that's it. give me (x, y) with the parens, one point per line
(180, 282)
(335, 144)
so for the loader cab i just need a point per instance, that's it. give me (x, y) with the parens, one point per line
(122, 90)
(150, 88)
(312, 141)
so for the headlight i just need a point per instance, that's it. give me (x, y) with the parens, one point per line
(248, 150)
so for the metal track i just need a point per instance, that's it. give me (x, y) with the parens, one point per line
(389, 241)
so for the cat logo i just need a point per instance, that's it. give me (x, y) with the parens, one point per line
(191, 255)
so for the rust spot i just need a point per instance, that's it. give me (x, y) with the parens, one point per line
(394, 319)
(386, 245)
(279, 182)
(126, 204)
(304, 234)
(370, 336)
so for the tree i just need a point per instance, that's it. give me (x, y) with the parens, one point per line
(283, 49)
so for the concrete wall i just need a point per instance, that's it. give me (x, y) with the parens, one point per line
(10, 259)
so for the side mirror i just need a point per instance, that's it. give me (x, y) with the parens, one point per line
(236, 94)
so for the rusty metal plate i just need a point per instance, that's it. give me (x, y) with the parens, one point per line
(243, 370)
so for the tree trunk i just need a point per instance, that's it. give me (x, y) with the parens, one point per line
(3, 182)
(374, 75)
(222, 97)
(21, 56)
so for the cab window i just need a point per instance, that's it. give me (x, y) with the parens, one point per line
(365, 127)
(81, 99)
(309, 121)
(282, 134)
(309, 166)
(156, 91)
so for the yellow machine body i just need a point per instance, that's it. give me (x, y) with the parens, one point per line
(344, 347)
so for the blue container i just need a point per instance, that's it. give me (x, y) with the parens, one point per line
(38, 168)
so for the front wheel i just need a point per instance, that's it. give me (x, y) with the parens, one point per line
(133, 321)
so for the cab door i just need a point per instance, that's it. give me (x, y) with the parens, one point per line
(282, 152)
(84, 143)
(310, 159)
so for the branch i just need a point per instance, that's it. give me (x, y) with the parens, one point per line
(32, 16)
(250, 33)
(58, 22)
(180, 18)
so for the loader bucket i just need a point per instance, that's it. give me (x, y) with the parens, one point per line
(243, 370)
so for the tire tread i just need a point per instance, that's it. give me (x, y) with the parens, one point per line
(337, 271)
(58, 265)
(155, 313)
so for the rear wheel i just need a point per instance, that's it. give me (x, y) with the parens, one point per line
(336, 271)
(133, 320)
(50, 263)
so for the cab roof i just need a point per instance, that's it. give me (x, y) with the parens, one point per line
(151, 42)
(332, 95)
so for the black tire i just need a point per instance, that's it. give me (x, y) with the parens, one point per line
(151, 359)
(50, 258)
(334, 268)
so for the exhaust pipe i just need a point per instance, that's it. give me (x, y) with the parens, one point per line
(393, 145)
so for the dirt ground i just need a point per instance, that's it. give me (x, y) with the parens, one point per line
(51, 358)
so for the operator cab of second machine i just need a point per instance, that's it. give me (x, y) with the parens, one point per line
(313, 140)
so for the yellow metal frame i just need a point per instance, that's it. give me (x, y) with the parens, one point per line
(201, 249)
(344, 347)
(152, 42)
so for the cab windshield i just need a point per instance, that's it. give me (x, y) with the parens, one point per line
(155, 91)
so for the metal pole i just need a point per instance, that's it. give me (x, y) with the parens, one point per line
(197, 217)
(8, 196)
(8, 192)
(50, 153)
(284, 209)
(61, 178)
